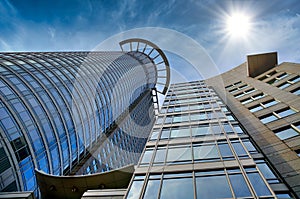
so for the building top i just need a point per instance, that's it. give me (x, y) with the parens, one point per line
(260, 63)
(156, 55)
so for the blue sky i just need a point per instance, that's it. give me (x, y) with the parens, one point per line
(63, 25)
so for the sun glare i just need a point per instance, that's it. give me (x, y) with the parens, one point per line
(238, 25)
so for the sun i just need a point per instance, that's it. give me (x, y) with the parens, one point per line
(238, 25)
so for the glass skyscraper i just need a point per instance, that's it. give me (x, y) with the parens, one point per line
(75, 112)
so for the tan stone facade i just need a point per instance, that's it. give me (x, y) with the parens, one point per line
(275, 128)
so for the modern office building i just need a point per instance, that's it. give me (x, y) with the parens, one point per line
(232, 136)
(65, 113)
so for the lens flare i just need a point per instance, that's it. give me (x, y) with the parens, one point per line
(238, 25)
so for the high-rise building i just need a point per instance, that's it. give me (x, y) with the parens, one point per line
(68, 113)
(232, 136)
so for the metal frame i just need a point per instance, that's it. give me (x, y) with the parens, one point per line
(163, 75)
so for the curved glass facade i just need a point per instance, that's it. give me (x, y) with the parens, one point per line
(55, 108)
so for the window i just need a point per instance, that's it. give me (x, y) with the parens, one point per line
(147, 156)
(255, 108)
(284, 85)
(258, 184)
(176, 133)
(212, 187)
(246, 101)
(179, 154)
(160, 155)
(269, 103)
(268, 119)
(152, 189)
(296, 91)
(205, 152)
(295, 79)
(177, 188)
(135, 189)
(239, 185)
(200, 130)
(277, 114)
(286, 133)
(225, 150)
(285, 113)
(266, 171)
(239, 149)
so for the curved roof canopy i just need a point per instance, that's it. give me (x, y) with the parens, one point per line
(74, 186)
(155, 54)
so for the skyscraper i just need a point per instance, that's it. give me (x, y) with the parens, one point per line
(76, 112)
(232, 136)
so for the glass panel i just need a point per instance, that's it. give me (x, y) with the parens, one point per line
(295, 79)
(254, 109)
(201, 130)
(258, 184)
(239, 185)
(238, 129)
(285, 113)
(154, 135)
(152, 189)
(266, 171)
(179, 154)
(239, 149)
(285, 85)
(147, 156)
(177, 188)
(283, 195)
(268, 119)
(177, 119)
(270, 103)
(296, 91)
(287, 133)
(205, 152)
(135, 190)
(225, 150)
(165, 134)
(180, 133)
(249, 145)
(160, 155)
(212, 187)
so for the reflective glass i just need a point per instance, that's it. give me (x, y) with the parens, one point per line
(254, 109)
(239, 185)
(287, 133)
(268, 119)
(205, 152)
(177, 188)
(285, 85)
(160, 155)
(152, 189)
(266, 171)
(249, 146)
(165, 134)
(147, 156)
(285, 112)
(179, 154)
(200, 130)
(270, 103)
(210, 187)
(180, 133)
(258, 184)
(225, 150)
(135, 190)
(239, 149)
